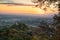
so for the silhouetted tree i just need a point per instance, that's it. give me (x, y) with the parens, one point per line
(57, 26)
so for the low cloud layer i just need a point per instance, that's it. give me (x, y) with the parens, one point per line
(16, 1)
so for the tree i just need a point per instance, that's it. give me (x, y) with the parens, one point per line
(44, 4)
(44, 25)
(57, 26)
(35, 37)
(57, 19)
(18, 31)
(44, 30)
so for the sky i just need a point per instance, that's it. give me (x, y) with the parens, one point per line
(18, 9)
(22, 9)
(16, 1)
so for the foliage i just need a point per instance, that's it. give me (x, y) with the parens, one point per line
(21, 31)
(17, 31)
(57, 26)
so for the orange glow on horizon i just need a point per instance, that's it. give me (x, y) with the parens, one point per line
(18, 9)
(25, 9)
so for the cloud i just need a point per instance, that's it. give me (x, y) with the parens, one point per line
(16, 1)
(23, 1)
(6, 1)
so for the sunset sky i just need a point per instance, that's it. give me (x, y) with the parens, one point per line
(22, 9)
(16, 1)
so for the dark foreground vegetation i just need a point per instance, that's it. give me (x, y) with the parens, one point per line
(21, 31)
